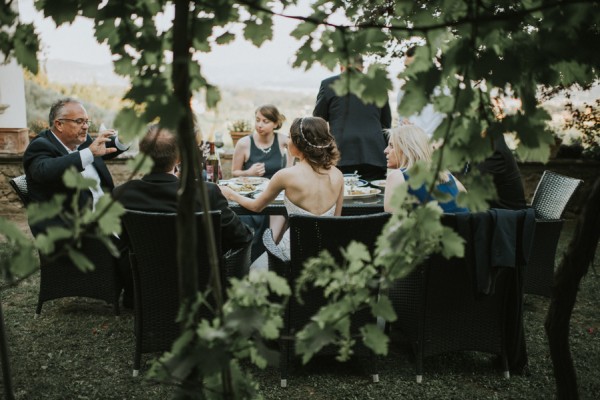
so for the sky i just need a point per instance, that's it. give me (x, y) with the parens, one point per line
(269, 65)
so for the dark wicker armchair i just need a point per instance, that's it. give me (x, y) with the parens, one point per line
(60, 278)
(440, 309)
(153, 255)
(19, 184)
(308, 236)
(549, 202)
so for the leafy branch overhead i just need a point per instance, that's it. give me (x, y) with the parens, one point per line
(471, 55)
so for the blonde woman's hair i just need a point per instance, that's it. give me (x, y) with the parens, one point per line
(411, 144)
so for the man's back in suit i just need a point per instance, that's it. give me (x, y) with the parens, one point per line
(357, 127)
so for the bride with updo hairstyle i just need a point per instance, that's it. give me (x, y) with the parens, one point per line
(313, 185)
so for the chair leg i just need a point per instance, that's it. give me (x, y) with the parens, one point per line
(419, 362)
(505, 369)
(284, 361)
(375, 378)
(38, 309)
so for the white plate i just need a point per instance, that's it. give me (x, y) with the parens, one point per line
(361, 193)
(238, 188)
(251, 180)
(380, 183)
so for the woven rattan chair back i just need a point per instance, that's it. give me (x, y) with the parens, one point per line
(153, 254)
(308, 237)
(439, 312)
(19, 184)
(60, 278)
(549, 202)
(552, 195)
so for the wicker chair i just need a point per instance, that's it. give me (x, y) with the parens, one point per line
(19, 184)
(153, 255)
(552, 195)
(60, 278)
(440, 311)
(549, 202)
(308, 236)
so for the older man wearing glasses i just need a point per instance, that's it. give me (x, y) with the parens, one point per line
(67, 144)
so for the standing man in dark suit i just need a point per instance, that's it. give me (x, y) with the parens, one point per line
(157, 191)
(67, 144)
(358, 128)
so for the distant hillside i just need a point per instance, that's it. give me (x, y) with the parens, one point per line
(247, 74)
(69, 73)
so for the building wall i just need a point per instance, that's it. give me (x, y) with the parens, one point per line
(12, 94)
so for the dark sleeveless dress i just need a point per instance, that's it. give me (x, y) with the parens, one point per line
(273, 158)
(274, 161)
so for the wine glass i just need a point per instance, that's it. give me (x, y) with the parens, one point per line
(219, 140)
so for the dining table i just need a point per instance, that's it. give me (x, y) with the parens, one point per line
(351, 206)
(360, 197)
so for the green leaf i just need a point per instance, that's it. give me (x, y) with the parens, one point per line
(375, 339)
(277, 284)
(259, 32)
(46, 242)
(453, 245)
(130, 124)
(383, 308)
(57, 11)
(225, 38)
(80, 260)
(213, 96)
(303, 29)
(110, 222)
(75, 180)
(38, 212)
(377, 86)
(26, 46)
(141, 164)
(12, 232)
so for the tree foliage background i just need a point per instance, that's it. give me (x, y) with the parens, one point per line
(475, 53)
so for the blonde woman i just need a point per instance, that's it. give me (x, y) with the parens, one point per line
(408, 144)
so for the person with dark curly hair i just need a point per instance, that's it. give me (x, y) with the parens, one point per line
(313, 186)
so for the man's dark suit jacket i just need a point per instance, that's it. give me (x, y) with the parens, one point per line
(157, 192)
(46, 159)
(357, 128)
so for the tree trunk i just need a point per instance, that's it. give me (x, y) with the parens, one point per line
(186, 222)
(572, 268)
(5, 360)
(191, 178)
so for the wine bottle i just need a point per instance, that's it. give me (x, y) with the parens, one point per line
(212, 165)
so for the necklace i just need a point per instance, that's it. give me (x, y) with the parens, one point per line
(266, 150)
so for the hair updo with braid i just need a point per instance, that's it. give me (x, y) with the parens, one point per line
(312, 138)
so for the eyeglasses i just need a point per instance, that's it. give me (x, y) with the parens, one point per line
(78, 121)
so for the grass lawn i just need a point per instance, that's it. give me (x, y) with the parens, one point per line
(79, 350)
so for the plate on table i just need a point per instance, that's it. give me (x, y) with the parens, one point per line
(360, 192)
(246, 185)
(379, 183)
(242, 189)
(249, 180)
